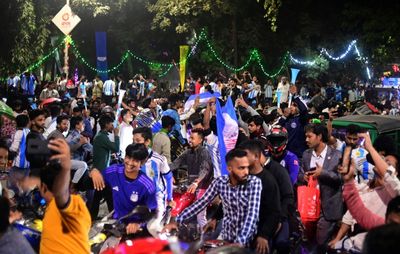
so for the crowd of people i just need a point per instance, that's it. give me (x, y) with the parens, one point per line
(125, 142)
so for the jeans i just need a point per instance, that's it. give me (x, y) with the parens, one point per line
(155, 225)
(80, 168)
(93, 201)
(202, 216)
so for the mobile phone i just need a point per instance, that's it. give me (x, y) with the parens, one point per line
(311, 171)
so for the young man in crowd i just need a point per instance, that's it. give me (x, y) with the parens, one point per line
(161, 140)
(320, 162)
(157, 169)
(66, 222)
(240, 213)
(130, 186)
(102, 149)
(197, 161)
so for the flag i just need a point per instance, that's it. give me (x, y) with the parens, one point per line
(184, 50)
(101, 54)
(227, 129)
(204, 97)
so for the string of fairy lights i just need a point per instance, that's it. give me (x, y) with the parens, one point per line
(254, 57)
(324, 52)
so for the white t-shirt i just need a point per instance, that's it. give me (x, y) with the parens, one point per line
(285, 91)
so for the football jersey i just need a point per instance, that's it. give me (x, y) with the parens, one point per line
(128, 193)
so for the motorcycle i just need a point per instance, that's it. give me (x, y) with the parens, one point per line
(109, 233)
(180, 195)
(32, 206)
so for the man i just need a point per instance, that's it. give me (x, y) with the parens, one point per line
(49, 92)
(270, 207)
(102, 149)
(62, 84)
(283, 87)
(365, 170)
(320, 162)
(121, 84)
(189, 87)
(157, 169)
(37, 118)
(161, 140)
(50, 122)
(130, 186)
(149, 115)
(97, 88)
(109, 90)
(125, 131)
(255, 125)
(240, 213)
(175, 102)
(81, 112)
(78, 166)
(276, 143)
(294, 123)
(197, 161)
(62, 126)
(281, 241)
(66, 222)
(269, 88)
(79, 144)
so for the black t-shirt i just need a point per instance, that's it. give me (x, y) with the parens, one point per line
(285, 186)
(270, 206)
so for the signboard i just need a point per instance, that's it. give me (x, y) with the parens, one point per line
(391, 82)
(66, 20)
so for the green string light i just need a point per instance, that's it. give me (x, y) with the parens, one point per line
(254, 56)
(273, 75)
(38, 63)
(165, 72)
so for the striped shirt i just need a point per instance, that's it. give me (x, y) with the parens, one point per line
(241, 206)
(19, 146)
(365, 170)
(109, 88)
(157, 169)
(129, 193)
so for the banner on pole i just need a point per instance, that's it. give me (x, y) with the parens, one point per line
(101, 54)
(184, 50)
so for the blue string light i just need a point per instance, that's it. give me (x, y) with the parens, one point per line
(325, 52)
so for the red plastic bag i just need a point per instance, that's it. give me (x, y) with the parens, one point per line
(308, 201)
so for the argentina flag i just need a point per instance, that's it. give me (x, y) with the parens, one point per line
(228, 130)
(204, 97)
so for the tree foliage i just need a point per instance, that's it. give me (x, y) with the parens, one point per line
(272, 8)
(183, 13)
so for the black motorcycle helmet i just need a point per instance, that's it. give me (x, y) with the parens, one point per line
(277, 140)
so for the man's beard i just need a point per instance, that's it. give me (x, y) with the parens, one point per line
(239, 180)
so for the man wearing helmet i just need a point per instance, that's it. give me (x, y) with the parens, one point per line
(276, 144)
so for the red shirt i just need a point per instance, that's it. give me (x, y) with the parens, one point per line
(197, 88)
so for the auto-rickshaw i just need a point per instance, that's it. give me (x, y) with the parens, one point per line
(374, 124)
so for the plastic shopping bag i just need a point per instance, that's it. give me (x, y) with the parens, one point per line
(308, 201)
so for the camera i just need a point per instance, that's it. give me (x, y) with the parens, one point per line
(38, 152)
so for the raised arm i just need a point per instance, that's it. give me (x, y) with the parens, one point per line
(61, 184)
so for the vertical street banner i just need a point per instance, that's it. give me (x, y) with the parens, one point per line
(101, 54)
(184, 50)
